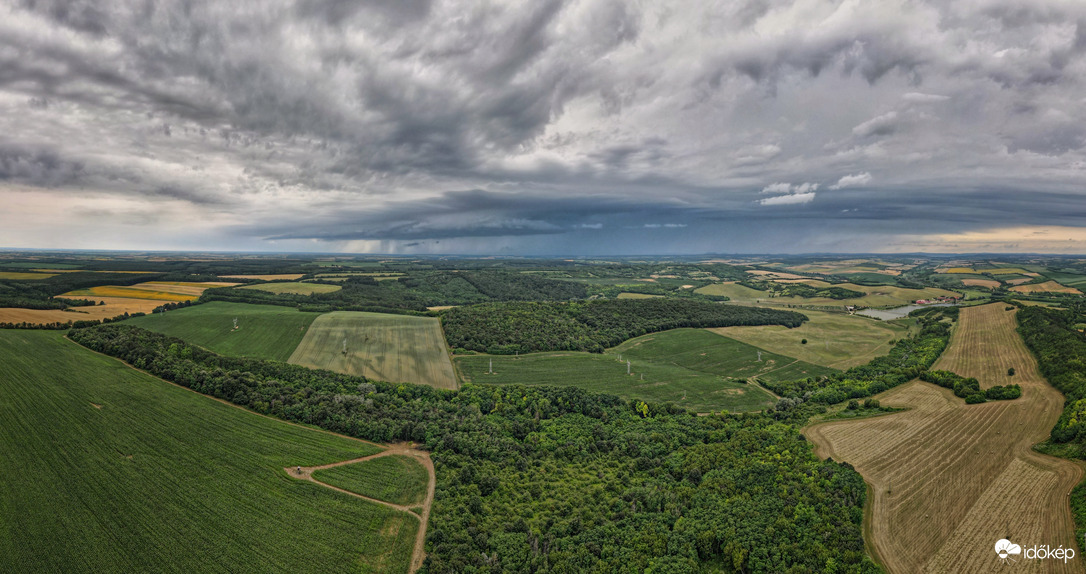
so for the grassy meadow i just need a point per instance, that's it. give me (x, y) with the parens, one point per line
(111, 470)
(380, 346)
(394, 478)
(835, 340)
(693, 368)
(264, 331)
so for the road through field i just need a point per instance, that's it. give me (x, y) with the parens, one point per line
(306, 473)
(950, 479)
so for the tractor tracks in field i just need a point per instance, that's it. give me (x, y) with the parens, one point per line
(402, 449)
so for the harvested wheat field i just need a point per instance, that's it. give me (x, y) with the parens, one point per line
(113, 307)
(379, 346)
(1046, 287)
(986, 283)
(950, 479)
(155, 290)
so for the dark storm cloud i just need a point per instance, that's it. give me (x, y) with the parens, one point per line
(348, 120)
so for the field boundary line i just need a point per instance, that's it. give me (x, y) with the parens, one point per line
(228, 403)
(419, 553)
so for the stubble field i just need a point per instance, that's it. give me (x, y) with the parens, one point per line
(949, 479)
(380, 346)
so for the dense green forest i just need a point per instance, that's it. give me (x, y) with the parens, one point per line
(550, 479)
(591, 325)
(1061, 356)
(906, 361)
(414, 292)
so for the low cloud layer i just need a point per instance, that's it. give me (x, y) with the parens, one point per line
(542, 127)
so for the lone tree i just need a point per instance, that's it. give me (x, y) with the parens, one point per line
(803, 342)
(1010, 372)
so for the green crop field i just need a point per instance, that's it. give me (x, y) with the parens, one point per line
(693, 368)
(835, 340)
(294, 287)
(394, 478)
(264, 331)
(733, 291)
(381, 346)
(111, 470)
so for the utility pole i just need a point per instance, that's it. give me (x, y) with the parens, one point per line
(491, 366)
(628, 366)
(759, 356)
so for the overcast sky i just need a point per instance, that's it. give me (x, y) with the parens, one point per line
(544, 127)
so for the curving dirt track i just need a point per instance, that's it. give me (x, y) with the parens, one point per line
(306, 473)
(948, 479)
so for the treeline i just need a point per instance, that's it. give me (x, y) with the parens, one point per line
(591, 326)
(414, 292)
(777, 289)
(906, 361)
(969, 388)
(1061, 356)
(550, 479)
(71, 324)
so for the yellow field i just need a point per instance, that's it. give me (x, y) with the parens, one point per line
(986, 283)
(380, 346)
(993, 271)
(288, 276)
(835, 340)
(153, 290)
(112, 308)
(1046, 287)
(295, 288)
(23, 276)
(949, 479)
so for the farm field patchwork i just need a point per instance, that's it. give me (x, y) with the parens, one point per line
(121, 472)
(294, 287)
(693, 368)
(948, 479)
(152, 290)
(1046, 287)
(113, 306)
(380, 346)
(835, 340)
(875, 296)
(264, 331)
